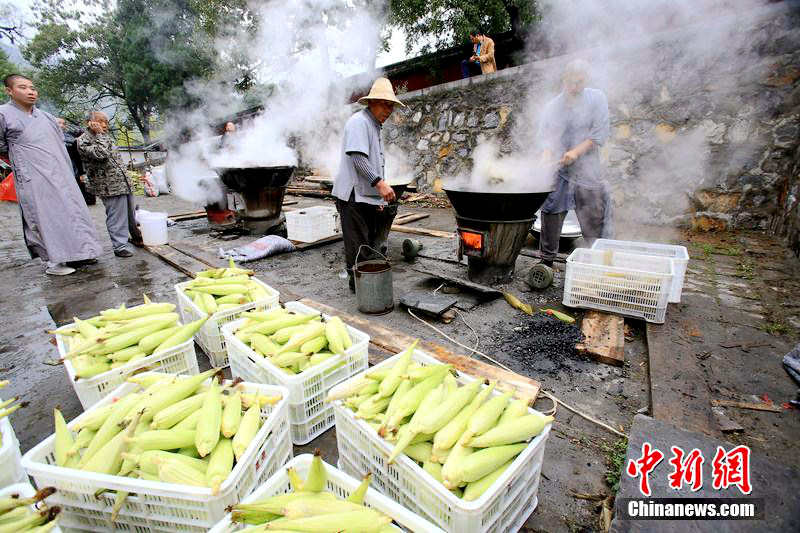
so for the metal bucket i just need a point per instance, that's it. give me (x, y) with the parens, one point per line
(373, 280)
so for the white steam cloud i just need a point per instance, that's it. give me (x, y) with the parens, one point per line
(305, 49)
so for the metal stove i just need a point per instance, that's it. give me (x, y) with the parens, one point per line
(262, 190)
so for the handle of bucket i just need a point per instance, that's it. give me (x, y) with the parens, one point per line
(371, 248)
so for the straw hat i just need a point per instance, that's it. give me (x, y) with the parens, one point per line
(381, 90)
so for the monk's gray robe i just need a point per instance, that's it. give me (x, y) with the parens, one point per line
(55, 220)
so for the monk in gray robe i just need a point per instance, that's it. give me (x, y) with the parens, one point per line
(55, 220)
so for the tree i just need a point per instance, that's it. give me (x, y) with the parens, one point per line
(443, 23)
(136, 52)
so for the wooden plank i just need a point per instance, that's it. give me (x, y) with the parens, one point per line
(678, 391)
(327, 240)
(394, 342)
(198, 253)
(423, 231)
(289, 202)
(455, 280)
(317, 193)
(560, 258)
(747, 405)
(186, 264)
(187, 216)
(410, 217)
(604, 337)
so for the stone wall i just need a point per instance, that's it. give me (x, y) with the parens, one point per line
(714, 144)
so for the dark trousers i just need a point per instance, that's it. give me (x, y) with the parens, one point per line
(470, 68)
(359, 228)
(591, 206)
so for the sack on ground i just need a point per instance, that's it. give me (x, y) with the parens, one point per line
(259, 249)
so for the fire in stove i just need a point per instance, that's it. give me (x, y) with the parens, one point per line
(492, 228)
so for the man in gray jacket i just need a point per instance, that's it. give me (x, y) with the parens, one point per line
(360, 190)
(107, 180)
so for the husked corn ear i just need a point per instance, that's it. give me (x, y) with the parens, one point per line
(359, 386)
(443, 413)
(275, 504)
(283, 335)
(451, 476)
(373, 405)
(173, 393)
(310, 507)
(485, 461)
(515, 409)
(422, 372)
(357, 496)
(420, 452)
(108, 459)
(7, 504)
(314, 345)
(199, 301)
(63, 442)
(344, 335)
(164, 439)
(127, 353)
(110, 427)
(248, 428)
(446, 437)
(232, 415)
(210, 423)
(392, 380)
(317, 475)
(146, 463)
(173, 471)
(94, 419)
(220, 465)
(263, 344)
(517, 430)
(168, 417)
(410, 402)
(82, 440)
(209, 303)
(182, 335)
(313, 330)
(140, 311)
(288, 358)
(486, 416)
(450, 383)
(151, 342)
(333, 336)
(190, 422)
(401, 390)
(432, 399)
(475, 489)
(366, 521)
(295, 480)
(259, 399)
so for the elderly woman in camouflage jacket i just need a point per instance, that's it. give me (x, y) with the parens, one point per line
(107, 180)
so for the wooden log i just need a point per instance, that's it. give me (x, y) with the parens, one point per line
(410, 217)
(423, 231)
(747, 405)
(604, 337)
(394, 342)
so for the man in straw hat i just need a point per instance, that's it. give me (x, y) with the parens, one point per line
(360, 189)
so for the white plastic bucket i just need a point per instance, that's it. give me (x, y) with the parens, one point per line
(154, 228)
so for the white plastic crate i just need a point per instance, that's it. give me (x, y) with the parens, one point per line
(312, 223)
(11, 470)
(180, 359)
(340, 484)
(209, 336)
(618, 282)
(155, 506)
(24, 490)
(502, 508)
(309, 415)
(678, 254)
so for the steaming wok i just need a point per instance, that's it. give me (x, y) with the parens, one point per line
(499, 206)
(255, 178)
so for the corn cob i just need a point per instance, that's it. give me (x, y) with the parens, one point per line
(392, 380)
(420, 452)
(357, 496)
(149, 343)
(485, 461)
(7, 504)
(108, 459)
(219, 289)
(271, 326)
(110, 427)
(263, 344)
(93, 419)
(182, 335)
(289, 359)
(199, 301)
(312, 331)
(373, 405)
(443, 413)
(164, 439)
(295, 480)
(517, 430)
(86, 329)
(411, 400)
(129, 465)
(123, 340)
(209, 302)
(142, 310)
(283, 335)
(210, 423)
(170, 416)
(173, 471)
(262, 316)
(401, 391)
(475, 489)
(366, 521)
(344, 335)
(125, 355)
(63, 442)
(314, 345)
(486, 416)
(146, 464)
(429, 404)
(275, 504)
(248, 428)
(220, 465)
(450, 383)
(259, 399)
(162, 318)
(13, 515)
(515, 409)
(204, 282)
(334, 338)
(190, 422)
(379, 374)
(422, 372)
(450, 473)
(309, 507)
(173, 393)
(31, 521)
(559, 315)
(446, 437)
(359, 386)
(82, 440)
(317, 475)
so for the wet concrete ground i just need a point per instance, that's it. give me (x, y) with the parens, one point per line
(579, 454)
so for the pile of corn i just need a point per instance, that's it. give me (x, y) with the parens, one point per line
(461, 436)
(294, 342)
(17, 515)
(220, 289)
(175, 430)
(120, 336)
(6, 407)
(309, 507)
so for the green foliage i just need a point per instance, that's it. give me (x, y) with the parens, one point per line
(449, 22)
(615, 458)
(139, 53)
(6, 68)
